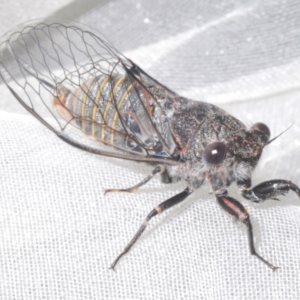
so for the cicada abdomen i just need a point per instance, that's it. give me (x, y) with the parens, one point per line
(117, 110)
(93, 87)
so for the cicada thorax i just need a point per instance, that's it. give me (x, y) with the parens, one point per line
(115, 110)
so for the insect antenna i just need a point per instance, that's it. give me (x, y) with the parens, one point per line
(273, 139)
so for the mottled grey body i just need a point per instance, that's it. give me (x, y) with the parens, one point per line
(197, 124)
(113, 101)
(148, 119)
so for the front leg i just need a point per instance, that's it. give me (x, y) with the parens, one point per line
(269, 190)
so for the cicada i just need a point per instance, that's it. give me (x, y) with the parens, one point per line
(94, 98)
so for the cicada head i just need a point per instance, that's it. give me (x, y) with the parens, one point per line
(245, 150)
(247, 147)
(234, 155)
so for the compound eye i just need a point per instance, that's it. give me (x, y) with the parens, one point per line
(215, 153)
(263, 128)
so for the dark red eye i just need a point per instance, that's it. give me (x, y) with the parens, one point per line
(215, 153)
(263, 128)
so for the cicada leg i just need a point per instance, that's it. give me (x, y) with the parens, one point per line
(132, 189)
(157, 210)
(238, 211)
(270, 190)
(165, 177)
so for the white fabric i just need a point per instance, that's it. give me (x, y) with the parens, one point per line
(59, 234)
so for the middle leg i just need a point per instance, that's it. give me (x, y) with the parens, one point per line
(238, 211)
(157, 210)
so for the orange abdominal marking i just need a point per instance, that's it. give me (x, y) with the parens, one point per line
(59, 103)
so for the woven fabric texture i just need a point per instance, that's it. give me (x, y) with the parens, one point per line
(59, 233)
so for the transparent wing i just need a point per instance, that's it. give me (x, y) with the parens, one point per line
(90, 95)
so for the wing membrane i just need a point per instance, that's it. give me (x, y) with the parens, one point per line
(89, 94)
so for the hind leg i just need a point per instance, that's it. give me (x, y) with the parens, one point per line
(132, 189)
